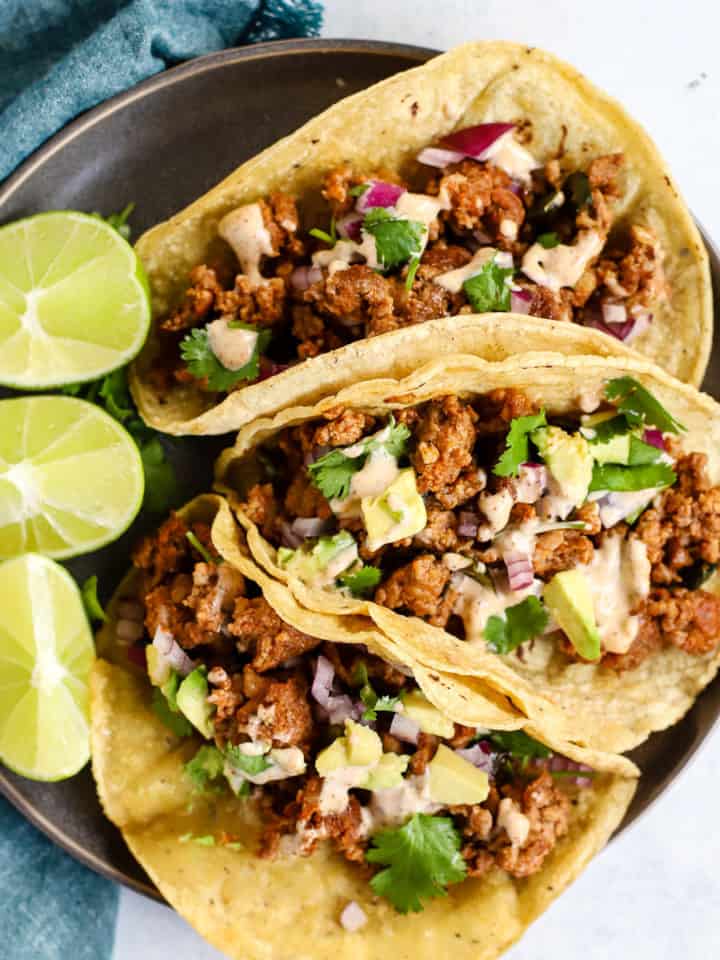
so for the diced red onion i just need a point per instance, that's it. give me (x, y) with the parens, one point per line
(476, 141)
(655, 439)
(519, 569)
(131, 610)
(614, 313)
(310, 527)
(468, 525)
(482, 237)
(322, 680)
(288, 537)
(516, 187)
(478, 756)
(136, 655)
(129, 631)
(353, 917)
(341, 708)
(302, 277)
(379, 194)
(170, 656)
(315, 454)
(437, 157)
(626, 331)
(404, 728)
(349, 226)
(558, 764)
(520, 301)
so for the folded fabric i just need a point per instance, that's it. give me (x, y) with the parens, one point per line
(60, 57)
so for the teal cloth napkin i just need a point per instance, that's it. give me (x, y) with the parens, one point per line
(58, 58)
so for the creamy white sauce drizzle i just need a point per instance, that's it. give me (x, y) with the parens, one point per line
(619, 576)
(244, 229)
(513, 821)
(563, 265)
(475, 603)
(233, 348)
(453, 280)
(394, 806)
(511, 157)
(496, 507)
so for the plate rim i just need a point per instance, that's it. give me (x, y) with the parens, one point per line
(415, 55)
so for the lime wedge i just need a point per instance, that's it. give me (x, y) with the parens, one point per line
(74, 300)
(46, 651)
(71, 478)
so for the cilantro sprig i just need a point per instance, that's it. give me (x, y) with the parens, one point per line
(362, 582)
(396, 240)
(205, 769)
(333, 473)
(421, 858)
(488, 291)
(548, 240)
(374, 704)
(202, 363)
(518, 744)
(639, 406)
(619, 478)
(521, 623)
(517, 444)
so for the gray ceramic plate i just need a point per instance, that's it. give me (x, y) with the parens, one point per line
(162, 145)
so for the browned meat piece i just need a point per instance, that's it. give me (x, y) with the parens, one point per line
(261, 306)
(226, 695)
(344, 428)
(439, 533)
(282, 221)
(303, 499)
(313, 332)
(634, 274)
(498, 407)
(198, 302)
(481, 198)
(162, 610)
(445, 439)
(689, 619)
(426, 749)
(212, 598)
(560, 550)
(261, 508)
(419, 588)
(548, 810)
(356, 297)
(338, 183)
(168, 550)
(260, 630)
(280, 713)
(647, 642)
(685, 527)
(589, 513)
(462, 736)
(467, 485)
(427, 299)
(602, 174)
(549, 304)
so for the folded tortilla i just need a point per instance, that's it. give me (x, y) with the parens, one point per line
(474, 83)
(289, 907)
(590, 704)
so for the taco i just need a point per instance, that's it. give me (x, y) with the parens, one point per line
(298, 796)
(494, 178)
(550, 525)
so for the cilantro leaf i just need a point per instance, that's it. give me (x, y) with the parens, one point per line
(359, 189)
(363, 581)
(522, 622)
(422, 858)
(375, 704)
(118, 221)
(248, 763)
(605, 430)
(641, 452)
(412, 270)
(396, 240)
(640, 406)
(487, 291)
(175, 722)
(613, 476)
(517, 448)
(204, 768)
(93, 607)
(161, 485)
(202, 363)
(116, 396)
(577, 185)
(548, 240)
(518, 744)
(333, 473)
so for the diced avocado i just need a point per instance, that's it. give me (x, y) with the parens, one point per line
(568, 458)
(396, 513)
(324, 562)
(170, 689)
(388, 773)
(333, 757)
(192, 701)
(455, 780)
(614, 450)
(426, 716)
(569, 599)
(364, 746)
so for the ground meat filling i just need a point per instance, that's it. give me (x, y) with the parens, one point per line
(314, 309)
(260, 672)
(453, 445)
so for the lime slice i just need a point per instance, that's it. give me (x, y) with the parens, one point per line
(46, 651)
(71, 478)
(74, 300)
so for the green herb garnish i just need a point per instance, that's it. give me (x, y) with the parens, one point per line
(396, 240)
(363, 581)
(202, 363)
(521, 623)
(517, 444)
(639, 406)
(488, 291)
(548, 240)
(618, 478)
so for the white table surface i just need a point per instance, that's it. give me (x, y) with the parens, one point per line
(654, 894)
